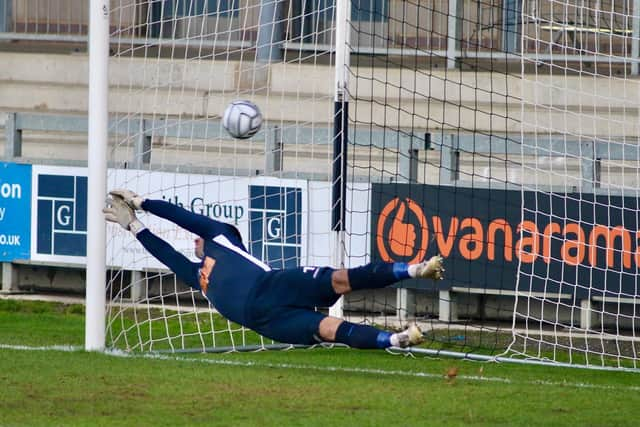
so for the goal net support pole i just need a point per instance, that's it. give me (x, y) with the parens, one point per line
(340, 138)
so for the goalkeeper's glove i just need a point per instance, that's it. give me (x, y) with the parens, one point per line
(119, 212)
(129, 197)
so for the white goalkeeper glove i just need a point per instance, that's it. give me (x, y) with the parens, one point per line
(119, 212)
(129, 197)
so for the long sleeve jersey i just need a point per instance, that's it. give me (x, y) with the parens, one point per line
(228, 274)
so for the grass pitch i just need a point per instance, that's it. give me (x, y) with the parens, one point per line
(41, 384)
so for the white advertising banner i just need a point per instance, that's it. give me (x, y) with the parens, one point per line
(271, 215)
(284, 222)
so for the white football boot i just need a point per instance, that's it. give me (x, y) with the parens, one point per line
(407, 338)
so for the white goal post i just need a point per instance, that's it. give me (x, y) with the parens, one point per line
(97, 179)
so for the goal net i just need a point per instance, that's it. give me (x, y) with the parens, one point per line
(435, 127)
(499, 134)
(502, 135)
(175, 66)
(578, 290)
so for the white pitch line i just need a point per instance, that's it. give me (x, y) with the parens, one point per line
(68, 348)
(254, 364)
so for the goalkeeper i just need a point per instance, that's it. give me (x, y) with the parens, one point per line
(278, 304)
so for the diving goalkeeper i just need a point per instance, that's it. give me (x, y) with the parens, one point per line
(278, 304)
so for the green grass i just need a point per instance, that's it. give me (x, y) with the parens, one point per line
(319, 387)
(136, 329)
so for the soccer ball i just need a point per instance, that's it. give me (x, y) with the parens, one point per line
(242, 119)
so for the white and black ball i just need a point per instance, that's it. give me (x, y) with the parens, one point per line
(242, 119)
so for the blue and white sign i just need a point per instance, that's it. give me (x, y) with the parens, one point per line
(271, 215)
(275, 230)
(60, 214)
(15, 211)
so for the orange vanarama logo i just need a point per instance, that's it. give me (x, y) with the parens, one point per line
(402, 233)
(205, 271)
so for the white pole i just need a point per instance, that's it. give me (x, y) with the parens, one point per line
(635, 37)
(343, 48)
(97, 185)
(453, 33)
(343, 31)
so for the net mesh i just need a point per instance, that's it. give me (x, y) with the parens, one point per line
(499, 134)
(577, 291)
(175, 67)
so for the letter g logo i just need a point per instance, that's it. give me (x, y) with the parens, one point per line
(63, 216)
(403, 239)
(274, 228)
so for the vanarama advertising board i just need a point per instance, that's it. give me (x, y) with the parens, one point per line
(564, 242)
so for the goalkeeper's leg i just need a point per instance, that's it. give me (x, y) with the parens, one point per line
(323, 286)
(303, 326)
(366, 337)
(383, 274)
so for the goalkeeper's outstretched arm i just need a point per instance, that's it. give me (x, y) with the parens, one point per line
(198, 224)
(201, 225)
(118, 211)
(182, 266)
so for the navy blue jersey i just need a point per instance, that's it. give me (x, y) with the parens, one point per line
(226, 275)
(278, 304)
(233, 278)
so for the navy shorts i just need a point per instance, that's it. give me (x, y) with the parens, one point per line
(283, 307)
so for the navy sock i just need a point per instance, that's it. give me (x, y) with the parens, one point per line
(362, 336)
(377, 275)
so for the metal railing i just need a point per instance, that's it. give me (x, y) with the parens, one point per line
(589, 153)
